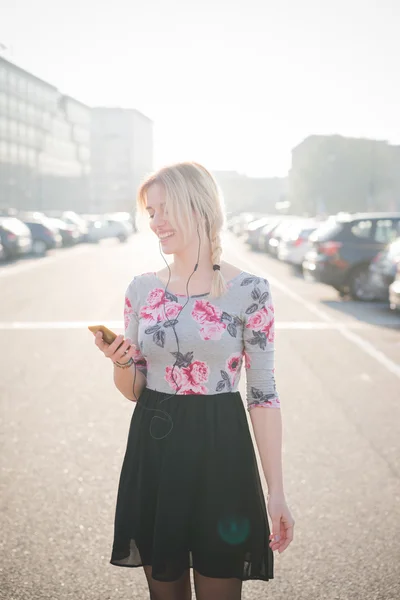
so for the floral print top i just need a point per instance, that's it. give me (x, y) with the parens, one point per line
(216, 336)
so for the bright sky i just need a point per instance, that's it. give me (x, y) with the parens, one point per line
(234, 84)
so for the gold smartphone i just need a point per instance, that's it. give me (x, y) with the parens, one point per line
(108, 335)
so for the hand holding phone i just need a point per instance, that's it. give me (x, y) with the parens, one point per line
(112, 345)
(108, 335)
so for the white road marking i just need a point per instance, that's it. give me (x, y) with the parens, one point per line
(370, 349)
(343, 329)
(37, 325)
(283, 325)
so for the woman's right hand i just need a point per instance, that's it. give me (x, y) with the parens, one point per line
(120, 350)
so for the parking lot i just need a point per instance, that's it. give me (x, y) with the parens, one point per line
(64, 429)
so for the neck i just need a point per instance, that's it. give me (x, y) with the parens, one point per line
(184, 263)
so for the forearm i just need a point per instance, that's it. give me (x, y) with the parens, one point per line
(124, 378)
(267, 427)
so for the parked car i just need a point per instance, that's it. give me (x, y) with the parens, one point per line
(343, 248)
(71, 218)
(15, 237)
(253, 231)
(394, 291)
(45, 236)
(96, 229)
(70, 234)
(266, 233)
(117, 227)
(383, 269)
(294, 243)
(278, 233)
(2, 252)
(240, 223)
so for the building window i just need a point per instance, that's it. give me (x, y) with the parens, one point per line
(3, 150)
(14, 152)
(13, 129)
(23, 154)
(3, 125)
(22, 83)
(12, 80)
(22, 131)
(3, 100)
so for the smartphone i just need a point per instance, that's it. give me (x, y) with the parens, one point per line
(108, 335)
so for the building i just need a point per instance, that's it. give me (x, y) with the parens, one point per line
(44, 144)
(121, 156)
(333, 173)
(258, 194)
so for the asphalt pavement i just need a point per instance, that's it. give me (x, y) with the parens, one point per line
(63, 430)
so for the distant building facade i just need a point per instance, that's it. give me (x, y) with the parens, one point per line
(121, 156)
(44, 144)
(258, 194)
(334, 173)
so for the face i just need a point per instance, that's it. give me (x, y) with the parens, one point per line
(171, 239)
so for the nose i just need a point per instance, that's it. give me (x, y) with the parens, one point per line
(159, 219)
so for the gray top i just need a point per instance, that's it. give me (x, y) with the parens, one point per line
(216, 335)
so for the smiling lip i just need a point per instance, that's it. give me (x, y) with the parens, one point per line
(162, 238)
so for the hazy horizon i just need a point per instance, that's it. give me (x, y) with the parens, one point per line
(234, 87)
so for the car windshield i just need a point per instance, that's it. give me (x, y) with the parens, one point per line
(14, 225)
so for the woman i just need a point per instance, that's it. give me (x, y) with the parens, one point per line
(190, 493)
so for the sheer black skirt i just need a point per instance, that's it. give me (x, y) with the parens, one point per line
(190, 493)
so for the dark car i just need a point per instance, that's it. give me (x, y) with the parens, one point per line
(45, 236)
(383, 270)
(343, 248)
(15, 237)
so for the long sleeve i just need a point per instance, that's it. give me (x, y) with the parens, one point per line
(131, 321)
(258, 340)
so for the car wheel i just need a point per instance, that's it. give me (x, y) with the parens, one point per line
(122, 238)
(360, 285)
(39, 247)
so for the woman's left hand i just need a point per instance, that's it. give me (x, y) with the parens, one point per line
(282, 523)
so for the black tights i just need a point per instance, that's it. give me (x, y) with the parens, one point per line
(207, 588)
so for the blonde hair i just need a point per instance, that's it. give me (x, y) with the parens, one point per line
(191, 189)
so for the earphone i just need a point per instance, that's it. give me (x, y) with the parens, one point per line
(171, 325)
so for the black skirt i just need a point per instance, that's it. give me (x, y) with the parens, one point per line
(190, 494)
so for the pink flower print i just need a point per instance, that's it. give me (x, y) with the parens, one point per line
(177, 379)
(198, 372)
(234, 363)
(212, 331)
(247, 361)
(155, 310)
(205, 312)
(149, 314)
(155, 298)
(263, 320)
(172, 310)
(128, 312)
(209, 316)
(188, 380)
